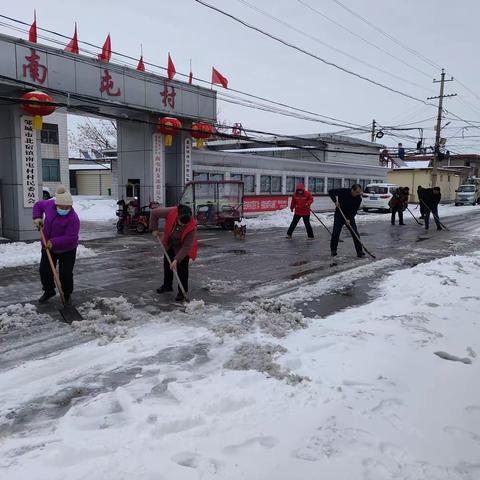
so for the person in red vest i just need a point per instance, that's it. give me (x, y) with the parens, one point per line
(301, 201)
(180, 242)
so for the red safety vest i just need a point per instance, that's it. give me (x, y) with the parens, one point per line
(170, 223)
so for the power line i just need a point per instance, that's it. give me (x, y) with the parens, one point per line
(368, 42)
(321, 42)
(309, 54)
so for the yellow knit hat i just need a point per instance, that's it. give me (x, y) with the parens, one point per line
(62, 197)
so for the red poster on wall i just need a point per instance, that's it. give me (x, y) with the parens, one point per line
(264, 204)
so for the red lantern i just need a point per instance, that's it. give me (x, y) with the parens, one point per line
(169, 126)
(38, 110)
(201, 132)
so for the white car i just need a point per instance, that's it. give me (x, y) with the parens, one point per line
(377, 195)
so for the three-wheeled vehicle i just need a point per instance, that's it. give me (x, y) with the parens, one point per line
(131, 216)
(215, 203)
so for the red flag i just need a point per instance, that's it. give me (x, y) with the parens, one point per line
(72, 46)
(141, 65)
(190, 77)
(106, 50)
(32, 33)
(218, 78)
(171, 68)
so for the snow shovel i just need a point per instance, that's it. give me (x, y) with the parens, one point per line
(174, 271)
(326, 228)
(68, 312)
(347, 223)
(414, 217)
(434, 216)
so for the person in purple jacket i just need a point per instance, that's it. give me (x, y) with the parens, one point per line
(61, 227)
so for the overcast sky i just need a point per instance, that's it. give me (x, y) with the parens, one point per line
(444, 32)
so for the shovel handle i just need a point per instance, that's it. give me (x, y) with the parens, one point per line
(56, 279)
(167, 256)
(347, 223)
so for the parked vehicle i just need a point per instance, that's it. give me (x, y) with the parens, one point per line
(467, 194)
(377, 195)
(215, 203)
(132, 217)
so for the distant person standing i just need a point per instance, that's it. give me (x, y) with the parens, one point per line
(398, 203)
(431, 198)
(301, 202)
(401, 152)
(348, 200)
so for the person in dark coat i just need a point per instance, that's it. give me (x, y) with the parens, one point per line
(420, 190)
(301, 201)
(398, 203)
(61, 227)
(348, 200)
(180, 242)
(431, 199)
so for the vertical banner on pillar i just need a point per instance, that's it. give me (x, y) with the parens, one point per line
(158, 168)
(187, 172)
(29, 161)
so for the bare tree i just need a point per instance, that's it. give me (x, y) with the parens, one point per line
(94, 134)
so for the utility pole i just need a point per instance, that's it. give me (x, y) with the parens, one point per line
(438, 128)
(374, 124)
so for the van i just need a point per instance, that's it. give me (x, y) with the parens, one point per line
(377, 195)
(466, 194)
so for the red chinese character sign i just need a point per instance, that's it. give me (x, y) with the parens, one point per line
(29, 162)
(33, 69)
(158, 161)
(107, 85)
(168, 96)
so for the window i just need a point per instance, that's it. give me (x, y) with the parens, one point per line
(334, 183)
(270, 184)
(50, 170)
(292, 182)
(200, 176)
(49, 133)
(248, 181)
(348, 182)
(376, 190)
(316, 184)
(216, 176)
(363, 183)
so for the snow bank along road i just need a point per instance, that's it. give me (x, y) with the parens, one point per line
(259, 381)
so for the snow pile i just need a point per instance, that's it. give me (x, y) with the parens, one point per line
(281, 218)
(103, 317)
(19, 317)
(380, 404)
(95, 208)
(20, 253)
(260, 357)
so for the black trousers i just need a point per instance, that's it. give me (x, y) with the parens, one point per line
(306, 221)
(398, 210)
(338, 223)
(182, 270)
(434, 211)
(423, 209)
(66, 261)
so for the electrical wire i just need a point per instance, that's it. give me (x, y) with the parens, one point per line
(309, 54)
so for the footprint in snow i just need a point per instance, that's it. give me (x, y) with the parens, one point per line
(265, 442)
(194, 460)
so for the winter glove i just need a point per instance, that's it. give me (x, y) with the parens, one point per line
(38, 223)
(49, 245)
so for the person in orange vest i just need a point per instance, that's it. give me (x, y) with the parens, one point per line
(180, 241)
(301, 201)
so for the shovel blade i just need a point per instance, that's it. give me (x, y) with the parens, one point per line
(70, 314)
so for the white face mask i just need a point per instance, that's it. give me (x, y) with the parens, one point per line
(62, 212)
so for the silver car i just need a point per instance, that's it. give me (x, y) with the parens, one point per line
(466, 194)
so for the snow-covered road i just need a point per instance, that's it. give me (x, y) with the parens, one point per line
(261, 391)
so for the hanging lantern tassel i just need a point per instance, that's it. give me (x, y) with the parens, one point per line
(38, 109)
(202, 132)
(169, 126)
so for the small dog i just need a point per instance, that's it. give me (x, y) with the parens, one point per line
(240, 231)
